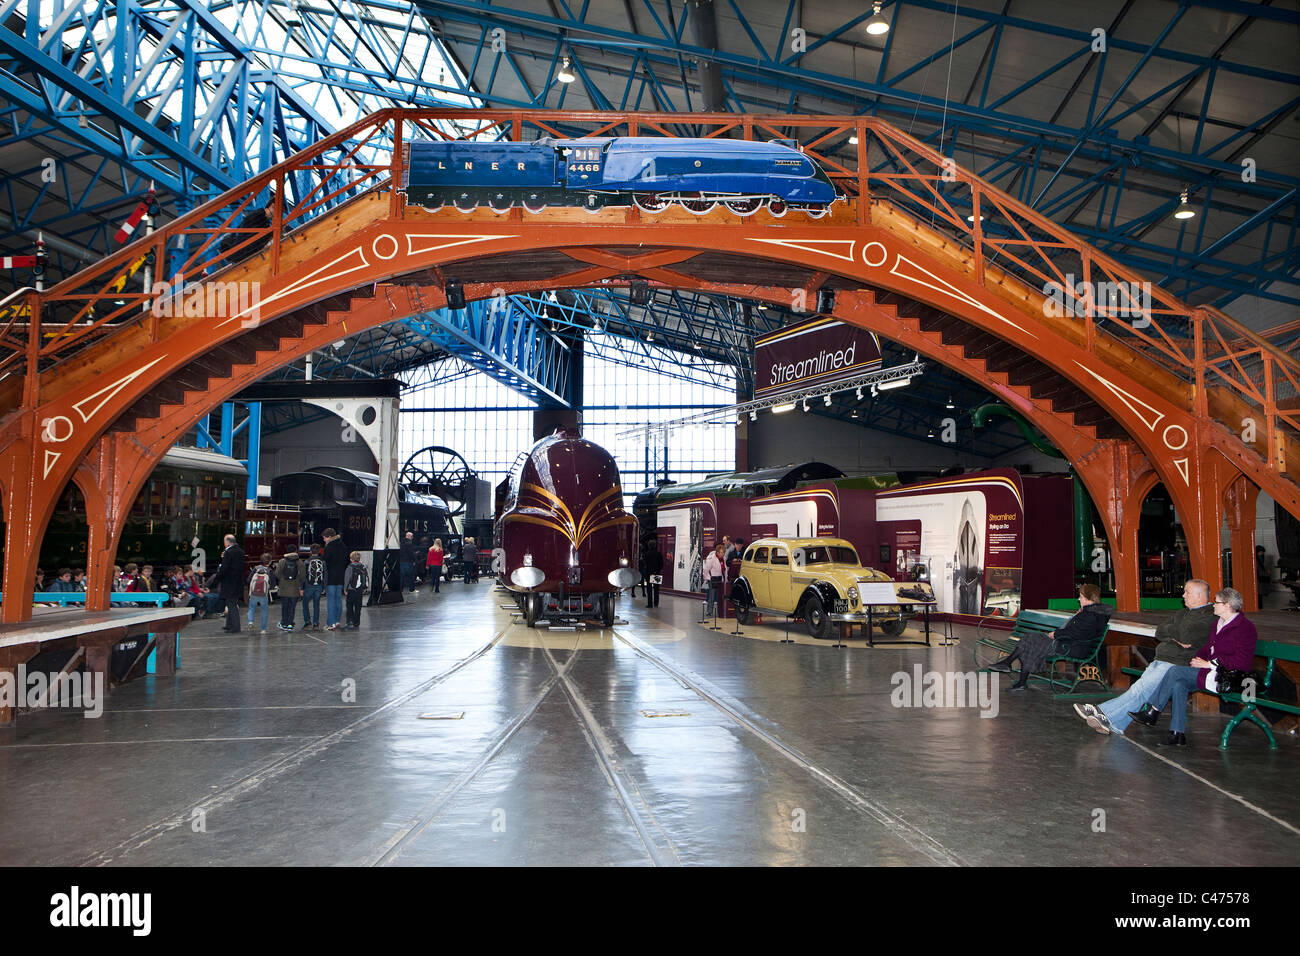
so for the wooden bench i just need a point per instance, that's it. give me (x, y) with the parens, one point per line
(90, 637)
(1271, 652)
(1087, 669)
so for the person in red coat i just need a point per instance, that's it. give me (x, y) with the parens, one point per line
(1232, 645)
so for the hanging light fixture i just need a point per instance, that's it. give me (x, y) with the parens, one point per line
(877, 25)
(293, 20)
(853, 139)
(1184, 210)
(787, 407)
(565, 75)
(950, 405)
(753, 416)
(896, 383)
(826, 400)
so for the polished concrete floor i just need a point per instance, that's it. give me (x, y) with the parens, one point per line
(443, 733)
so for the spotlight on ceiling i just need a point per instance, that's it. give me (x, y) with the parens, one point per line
(779, 409)
(753, 416)
(877, 25)
(805, 404)
(565, 75)
(971, 218)
(873, 391)
(1184, 210)
(896, 383)
(859, 393)
(855, 413)
(853, 139)
(826, 400)
(455, 295)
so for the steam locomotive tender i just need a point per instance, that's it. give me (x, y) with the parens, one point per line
(599, 171)
(569, 546)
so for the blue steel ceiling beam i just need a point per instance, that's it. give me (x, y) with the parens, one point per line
(504, 341)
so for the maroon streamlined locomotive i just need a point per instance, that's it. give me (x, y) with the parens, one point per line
(569, 546)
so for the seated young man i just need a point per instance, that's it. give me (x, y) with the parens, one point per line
(1077, 637)
(1189, 628)
(1232, 646)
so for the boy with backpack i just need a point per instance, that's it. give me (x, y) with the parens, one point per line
(260, 582)
(313, 589)
(288, 573)
(355, 585)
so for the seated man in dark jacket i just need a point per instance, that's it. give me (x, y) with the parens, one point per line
(1077, 637)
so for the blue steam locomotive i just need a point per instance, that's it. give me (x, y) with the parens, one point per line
(650, 172)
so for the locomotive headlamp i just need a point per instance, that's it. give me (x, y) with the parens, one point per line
(528, 560)
(623, 560)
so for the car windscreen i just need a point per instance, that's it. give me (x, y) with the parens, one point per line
(834, 554)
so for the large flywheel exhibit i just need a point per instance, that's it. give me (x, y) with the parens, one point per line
(441, 472)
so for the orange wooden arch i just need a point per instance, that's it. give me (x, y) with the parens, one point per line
(374, 261)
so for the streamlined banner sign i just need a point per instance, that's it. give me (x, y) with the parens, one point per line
(815, 352)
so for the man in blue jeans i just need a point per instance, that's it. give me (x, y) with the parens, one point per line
(313, 588)
(1179, 638)
(336, 564)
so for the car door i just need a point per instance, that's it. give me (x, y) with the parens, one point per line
(756, 573)
(780, 588)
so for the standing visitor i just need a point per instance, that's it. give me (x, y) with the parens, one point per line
(261, 580)
(229, 579)
(714, 572)
(434, 563)
(336, 565)
(313, 589)
(357, 583)
(654, 566)
(289, 573)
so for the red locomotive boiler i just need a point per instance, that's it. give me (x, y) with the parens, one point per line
(569, 545)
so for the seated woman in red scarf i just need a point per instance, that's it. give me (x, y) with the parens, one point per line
(1231, 647)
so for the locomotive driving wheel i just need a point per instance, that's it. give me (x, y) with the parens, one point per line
(777, 207)
(534, 203)
(500, 203)
(650, 202)
(697, 204)
(744, 206)
(440, 472)
(465, 202)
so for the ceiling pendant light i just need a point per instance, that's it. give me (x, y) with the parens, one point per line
(950, 405)
(565, 75)
(1184, 210)
(853, 139)
(877, 25)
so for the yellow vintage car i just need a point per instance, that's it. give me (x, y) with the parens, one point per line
(816, 579)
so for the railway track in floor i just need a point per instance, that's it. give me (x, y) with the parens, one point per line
(290, 761)
(909, 833)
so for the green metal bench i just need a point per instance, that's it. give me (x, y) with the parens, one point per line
(1087, 669)
(1272, 652)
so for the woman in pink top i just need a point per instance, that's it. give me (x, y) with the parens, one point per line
(434, 564)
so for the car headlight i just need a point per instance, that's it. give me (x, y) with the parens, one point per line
(853, 596)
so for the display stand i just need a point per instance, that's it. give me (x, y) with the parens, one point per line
(788, 639)
(875, 595)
